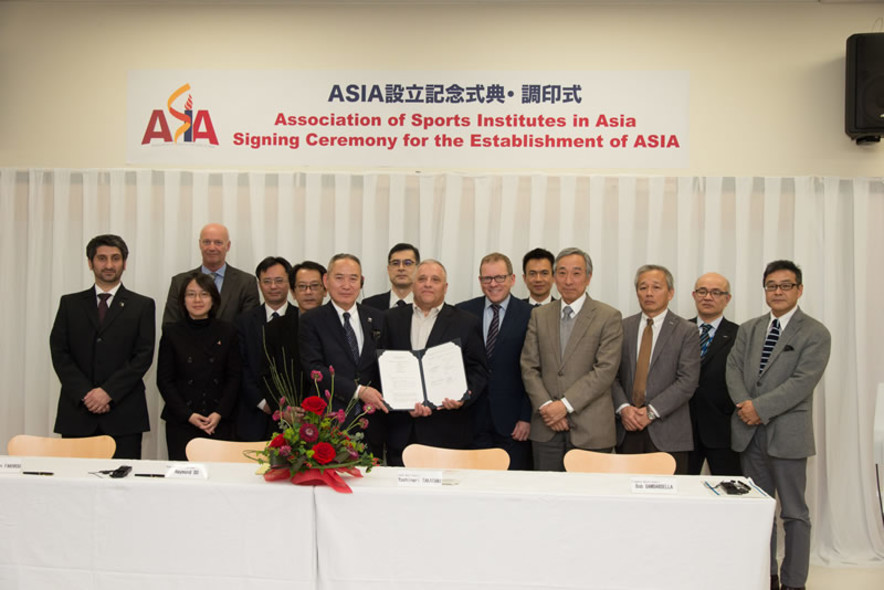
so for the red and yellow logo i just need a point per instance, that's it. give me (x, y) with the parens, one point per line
(193, 127)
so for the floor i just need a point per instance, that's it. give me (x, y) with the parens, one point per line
(824, 578)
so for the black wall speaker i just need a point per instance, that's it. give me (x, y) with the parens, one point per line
(864, 104)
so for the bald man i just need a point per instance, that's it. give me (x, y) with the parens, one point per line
(239, 290)
(711, 406)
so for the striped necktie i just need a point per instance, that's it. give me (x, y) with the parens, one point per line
(493, 329)
(351, 338)
(769, 343)
(705, 339)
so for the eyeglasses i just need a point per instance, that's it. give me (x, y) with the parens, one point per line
(772, 287)
(197, 295)
(274, 281)
(702, 292)
(499, 279)
(406, 263)
(308, 286)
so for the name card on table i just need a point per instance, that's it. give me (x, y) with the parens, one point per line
(10, 465)
(654, 485)
(187, 471)
(417, 479)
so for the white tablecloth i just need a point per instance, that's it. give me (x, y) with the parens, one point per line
(512, 530)
(77, 531)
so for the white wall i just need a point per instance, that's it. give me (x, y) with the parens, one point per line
(767, 79)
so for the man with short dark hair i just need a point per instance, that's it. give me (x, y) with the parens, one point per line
(772, 371)
(659, 372)
(569, 361)
(102, 344)
(537, 272)
(402, 262)
(343, 334)
(502, 417)
(268, 329)
(238, 289)
(306, 284)
(429, 321)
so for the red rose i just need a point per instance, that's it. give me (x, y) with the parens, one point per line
(323, 453)
(314, 404)
(277, 441)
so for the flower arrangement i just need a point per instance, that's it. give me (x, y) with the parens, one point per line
(315, 444)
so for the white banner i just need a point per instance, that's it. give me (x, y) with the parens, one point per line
(410, 119)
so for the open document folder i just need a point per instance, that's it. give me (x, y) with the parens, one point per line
(411, 377)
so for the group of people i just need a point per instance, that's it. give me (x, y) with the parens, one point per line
(544, 375)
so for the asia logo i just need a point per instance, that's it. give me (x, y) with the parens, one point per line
(192, 129)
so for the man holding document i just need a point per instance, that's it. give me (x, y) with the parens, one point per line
(452, 377)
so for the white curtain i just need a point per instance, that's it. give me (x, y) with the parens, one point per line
(832, 227)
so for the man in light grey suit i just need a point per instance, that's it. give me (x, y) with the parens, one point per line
(775, 364)
(569, 360)
(659, 372)
(239, 290)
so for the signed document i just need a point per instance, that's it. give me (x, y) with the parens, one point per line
(417, 376)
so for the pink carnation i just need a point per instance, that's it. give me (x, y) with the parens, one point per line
(285, 450)
(363, 423)
(316, 375)
(369, 409)
(341, 415)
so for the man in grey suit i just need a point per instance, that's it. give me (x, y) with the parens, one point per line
(569, 360)
(775, 364)
(239, 290)
(659, 372)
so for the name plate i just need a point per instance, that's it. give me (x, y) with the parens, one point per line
(10, 465)
(419, 479)
(654, 485)
(187, 471)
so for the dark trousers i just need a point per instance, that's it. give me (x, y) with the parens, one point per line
(128, 445)
(721, 461)
(636, 442)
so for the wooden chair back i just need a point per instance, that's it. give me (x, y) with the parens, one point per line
(439, 458)
(209, 450)
(90, 447)
(581, 461)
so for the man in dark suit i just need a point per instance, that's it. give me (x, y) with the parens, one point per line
(659, 372)
(102, 344)
(257, 339)
(343, 335)
(238, 290)
(305, 281)
(711, 406)
(772, 371)
(569, 360)
(401, 264)
(430, 322)
(537, 272)
(502, 417)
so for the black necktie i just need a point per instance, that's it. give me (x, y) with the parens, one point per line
(704, 339)
(401, 303)
(769, 343)
(493, 329)
(351, 337)
(102, 306)
(274, 315)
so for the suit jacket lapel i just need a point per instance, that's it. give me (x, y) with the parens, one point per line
(118, 303)
(578, 331)
(665, 334)
(786, 337)
(722, 337)
(90, 307)
(438, 331)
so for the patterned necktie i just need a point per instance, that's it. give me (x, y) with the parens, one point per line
(351, 337)
(640, 384)
(705, 339)
(102, 306)
(769, 343)
(218, 279)
(493, 329)
(566, 327)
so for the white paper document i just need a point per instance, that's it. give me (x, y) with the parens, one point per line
(415, 376)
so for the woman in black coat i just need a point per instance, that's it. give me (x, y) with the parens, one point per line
(198, 369)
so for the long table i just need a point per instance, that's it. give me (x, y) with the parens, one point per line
(484, 530)
(77, 531)
(481, 530)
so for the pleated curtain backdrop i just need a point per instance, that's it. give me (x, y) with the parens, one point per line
(832, 227)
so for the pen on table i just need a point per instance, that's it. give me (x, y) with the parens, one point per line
(149, 475)
(38, 473)
(714, 491)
